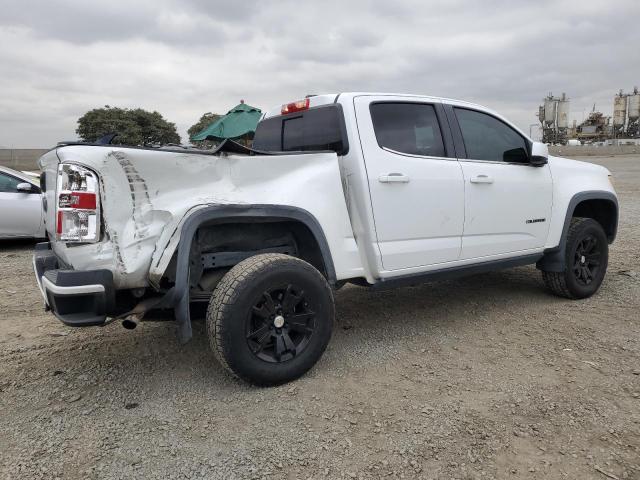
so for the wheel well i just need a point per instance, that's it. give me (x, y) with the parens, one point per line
(254, 234)
(232, 240)
(603, 211)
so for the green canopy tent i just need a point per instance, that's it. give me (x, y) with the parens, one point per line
(239, 123)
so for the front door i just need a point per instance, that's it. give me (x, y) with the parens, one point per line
(416, 186)
(507, 200)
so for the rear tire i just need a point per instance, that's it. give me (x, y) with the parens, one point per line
(586, 259)
(270, 319)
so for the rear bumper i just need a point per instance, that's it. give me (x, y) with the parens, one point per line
(76, 298)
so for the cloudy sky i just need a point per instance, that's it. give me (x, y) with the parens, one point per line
(60, 58)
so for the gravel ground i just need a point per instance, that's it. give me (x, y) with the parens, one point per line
(485, 377)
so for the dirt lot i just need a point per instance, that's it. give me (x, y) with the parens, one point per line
(486, 377)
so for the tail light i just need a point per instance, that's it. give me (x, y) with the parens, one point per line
(77, 205)
(295, 106)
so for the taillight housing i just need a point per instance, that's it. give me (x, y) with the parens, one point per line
(77, 204)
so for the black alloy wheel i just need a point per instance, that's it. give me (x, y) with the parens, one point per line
(586, 258)
(280, 324)
(270, 318)
(586, 261)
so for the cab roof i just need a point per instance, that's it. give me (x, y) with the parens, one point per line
(328, 98)
(347, 98)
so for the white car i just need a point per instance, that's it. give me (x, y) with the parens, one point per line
(379, 190)
(21, 212)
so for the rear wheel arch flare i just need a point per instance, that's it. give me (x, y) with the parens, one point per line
(255, 235)
(220, 214)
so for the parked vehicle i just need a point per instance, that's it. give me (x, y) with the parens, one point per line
(21, 214)
(379, 190)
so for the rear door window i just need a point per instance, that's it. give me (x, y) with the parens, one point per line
(411, 128)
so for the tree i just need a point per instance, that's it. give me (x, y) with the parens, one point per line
(133, 126)
(205, 120)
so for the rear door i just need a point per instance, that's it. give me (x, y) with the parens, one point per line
(507, 200)
(415, 181)
(20, 212)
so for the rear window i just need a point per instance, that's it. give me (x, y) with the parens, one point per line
(319, 128)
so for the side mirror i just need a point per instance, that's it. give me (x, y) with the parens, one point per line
(24, 187)
(539, 154)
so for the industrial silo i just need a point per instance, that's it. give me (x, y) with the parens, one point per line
(563, 112)
(634, 106)
(619, 110)
(550, 110)
(633, 114)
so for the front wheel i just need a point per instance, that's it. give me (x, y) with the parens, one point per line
(270, 319)
(586, 259)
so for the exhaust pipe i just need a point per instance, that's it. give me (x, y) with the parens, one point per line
(133, 317)
(131, 322)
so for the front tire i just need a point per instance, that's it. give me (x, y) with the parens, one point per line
(270, 319)
(586, 259)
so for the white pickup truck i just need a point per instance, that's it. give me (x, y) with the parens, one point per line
(380, 190)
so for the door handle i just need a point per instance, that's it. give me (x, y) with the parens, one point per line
(393, 178)
(481, 179)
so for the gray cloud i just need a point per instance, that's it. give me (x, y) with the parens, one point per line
(187, 57)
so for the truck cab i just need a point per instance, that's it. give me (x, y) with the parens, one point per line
(435, 182)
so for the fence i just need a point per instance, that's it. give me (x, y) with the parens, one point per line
(593, 151)
(21, 158)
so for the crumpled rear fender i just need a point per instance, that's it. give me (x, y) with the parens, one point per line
(148, 195)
